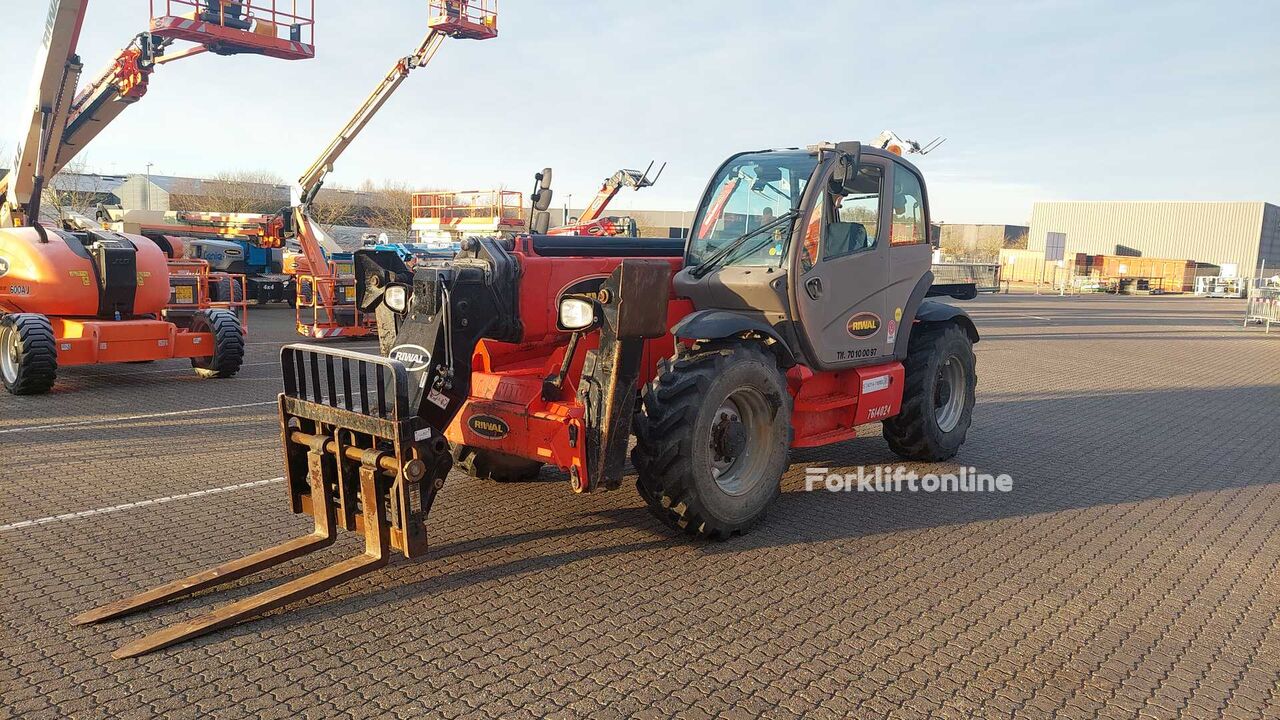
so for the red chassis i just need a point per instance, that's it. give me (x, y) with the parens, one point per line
(506, 411)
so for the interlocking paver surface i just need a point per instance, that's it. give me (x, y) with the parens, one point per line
(1133, 571)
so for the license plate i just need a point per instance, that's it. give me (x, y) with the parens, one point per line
(185, 294)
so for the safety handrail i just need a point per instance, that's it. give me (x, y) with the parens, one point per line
(297, 15)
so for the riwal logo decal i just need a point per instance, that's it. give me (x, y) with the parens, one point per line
(415, 357)
(488, 426)
(864, 325)
(4, 267)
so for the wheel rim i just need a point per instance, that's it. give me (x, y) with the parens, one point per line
(738, 440)
(949, 394)
(9, 352)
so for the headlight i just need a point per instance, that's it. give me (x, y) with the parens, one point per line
(577, 314)
(396, 297)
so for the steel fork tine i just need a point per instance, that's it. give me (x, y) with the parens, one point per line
(323, 536)
(376, 555)
(209, 578)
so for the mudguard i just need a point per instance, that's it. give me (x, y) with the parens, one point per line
(932, 311)
(725, 324)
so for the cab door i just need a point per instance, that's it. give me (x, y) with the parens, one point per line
(910, 252)
(841, 267)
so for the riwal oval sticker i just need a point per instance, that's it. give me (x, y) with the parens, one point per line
(864, 325)
(488, 426)
(415, 357)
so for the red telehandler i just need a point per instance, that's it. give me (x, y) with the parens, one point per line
(592, 220)
(718, 354)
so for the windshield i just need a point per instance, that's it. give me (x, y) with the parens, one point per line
(751, 191)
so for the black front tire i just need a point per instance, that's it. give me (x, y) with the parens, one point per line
(29, 364)
(496, 466)
(937, 402)
(228, 343)
(698, 473)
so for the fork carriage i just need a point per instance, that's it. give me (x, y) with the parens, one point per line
(348, 435)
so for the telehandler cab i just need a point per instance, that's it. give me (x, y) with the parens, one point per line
(763, 332)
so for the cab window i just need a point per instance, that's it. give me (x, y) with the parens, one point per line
(845, 222)
(908, 227)
(855, 217)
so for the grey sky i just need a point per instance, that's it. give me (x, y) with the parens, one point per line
(1039, 99)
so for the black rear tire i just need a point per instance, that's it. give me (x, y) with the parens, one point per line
(496, 466)
(937, 402)
(228, 343)
(28, 354)
(712, 437)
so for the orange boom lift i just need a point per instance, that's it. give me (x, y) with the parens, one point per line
(326, 306)
(81, 296)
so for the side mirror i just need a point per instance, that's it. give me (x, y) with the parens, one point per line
(845, 175)
(542, 195)
(540, 222)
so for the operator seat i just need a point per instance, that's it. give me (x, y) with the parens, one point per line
(845, 238)
(228, 13)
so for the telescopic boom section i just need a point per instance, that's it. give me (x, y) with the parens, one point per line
(308, 231)
(52, 89)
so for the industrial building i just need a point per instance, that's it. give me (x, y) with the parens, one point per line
(1229, 235)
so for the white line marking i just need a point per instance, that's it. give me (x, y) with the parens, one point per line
(357, 345)
(100, 421)
(180, 368)
(138, 504)
(80, 423)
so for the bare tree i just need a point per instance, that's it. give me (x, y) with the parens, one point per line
(389, 207)
(76, 189)
(232, 192)
(334, 206)
(987, 248)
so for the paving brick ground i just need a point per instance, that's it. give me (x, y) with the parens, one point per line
(1134, 571)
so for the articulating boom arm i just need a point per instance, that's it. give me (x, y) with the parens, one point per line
(63, 121)
(102, 101)
(310, 236)
(313, 179)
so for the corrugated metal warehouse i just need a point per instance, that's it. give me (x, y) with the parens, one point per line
(1218, 233)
